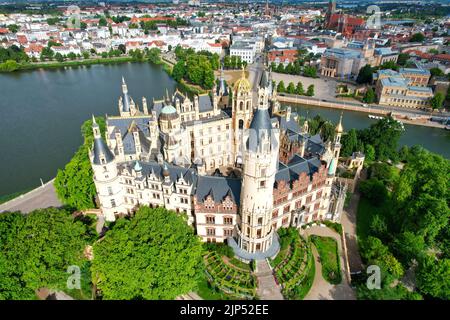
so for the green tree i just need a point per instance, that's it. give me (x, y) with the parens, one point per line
(36, 250)
(290, 88)
(179, 70)
(280, 68)
(374, 190)
(86, 55)
(310, 71)
(71, 56)
(310, 90)
(365, 75)
(59, 57)
(74, 184)
(13, 28)
(9, 66)
(156, 255)
(299, 89)
(383, 136)
(433, 277)
(369, 152)
(402, 59)
(436, 72)
(122, 48)
(280, 86)
(417, 37)
(409, 246)
(369, 97)
(102, 22)
(349, 143)
(437, 101)
(373, 251)
(208, 79)
(154, 55)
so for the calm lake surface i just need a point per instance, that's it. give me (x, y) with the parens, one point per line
(42, 112)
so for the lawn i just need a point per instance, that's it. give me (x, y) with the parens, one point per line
(329, 258)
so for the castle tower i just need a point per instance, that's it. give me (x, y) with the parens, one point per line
(106, 179)
(127, 107)
(170, 127)
(222, 91)
(335, 149)
(242, 110)
(255, 232)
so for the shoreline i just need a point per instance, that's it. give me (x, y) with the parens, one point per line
(353, 107)
(71, 63)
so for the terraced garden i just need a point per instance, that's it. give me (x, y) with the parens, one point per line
(294, 267)
(232, 280)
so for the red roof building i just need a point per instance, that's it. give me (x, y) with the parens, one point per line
(344, 23)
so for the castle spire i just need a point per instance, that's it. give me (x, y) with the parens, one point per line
(339, 127)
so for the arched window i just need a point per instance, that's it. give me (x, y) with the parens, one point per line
(241, 105)
(241, 124)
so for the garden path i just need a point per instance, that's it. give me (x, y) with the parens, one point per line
(267, 287)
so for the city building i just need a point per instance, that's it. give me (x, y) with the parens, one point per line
(406, 88)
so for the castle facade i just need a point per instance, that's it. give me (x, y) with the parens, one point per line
(239, 171)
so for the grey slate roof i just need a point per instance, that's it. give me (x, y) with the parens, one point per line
(126, 102)
(219, 188)
(100, 148)
(260, 125)
(296, 166)
(123, 124)
(204, 103)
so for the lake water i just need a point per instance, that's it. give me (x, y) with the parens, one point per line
(42, 111)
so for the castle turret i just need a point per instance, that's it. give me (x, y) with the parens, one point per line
(242, 112)
(105, 175)
(255, 232)
(127, 107)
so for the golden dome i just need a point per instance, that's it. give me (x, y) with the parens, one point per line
(242, 84)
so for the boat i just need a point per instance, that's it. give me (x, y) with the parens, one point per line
(371, 116)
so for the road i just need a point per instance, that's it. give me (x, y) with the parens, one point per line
(39, 198)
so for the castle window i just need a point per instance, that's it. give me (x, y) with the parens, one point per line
(113, 203)
(228, 220)
(110, 192)
(258, 233)
(210, 231)
(228, 232)
(260, 221)
(262, 184)
(210, 220)
(275, 213)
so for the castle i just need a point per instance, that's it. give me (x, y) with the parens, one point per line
(238, 171)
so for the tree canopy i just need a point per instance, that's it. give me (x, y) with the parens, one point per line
(75, 184)
(36, 250)
(155, 255)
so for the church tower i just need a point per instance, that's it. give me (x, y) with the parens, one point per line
(106, 179)
(255, 232)
(242, 110)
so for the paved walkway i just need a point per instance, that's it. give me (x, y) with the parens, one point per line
(321, 289)
(39, 198)
(267, 287)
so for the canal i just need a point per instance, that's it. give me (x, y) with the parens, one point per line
(42, 111)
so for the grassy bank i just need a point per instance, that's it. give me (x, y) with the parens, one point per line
(76, 63)
(328, 251)
(70, 63)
